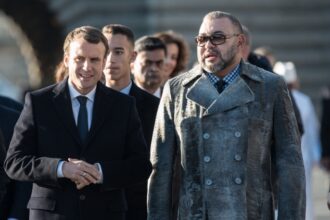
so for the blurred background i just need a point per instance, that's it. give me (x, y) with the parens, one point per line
(32, 34)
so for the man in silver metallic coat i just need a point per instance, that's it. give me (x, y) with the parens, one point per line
(228, 120)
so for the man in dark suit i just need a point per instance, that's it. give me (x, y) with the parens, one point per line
(79, 142)
(118, 76)
(3, 177)
(17, 193)
(10, 103)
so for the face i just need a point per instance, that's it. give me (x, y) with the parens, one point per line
(171, 59)
(121, 54)
(218, 58)
(147, 68)
(85, 62)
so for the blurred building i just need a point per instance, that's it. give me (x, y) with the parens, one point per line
(296, 30)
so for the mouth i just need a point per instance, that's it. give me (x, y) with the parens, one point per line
(85, 76)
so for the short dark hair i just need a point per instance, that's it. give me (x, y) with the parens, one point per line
(149, 43)
(119, 29)
(90, 34)
(222, 14)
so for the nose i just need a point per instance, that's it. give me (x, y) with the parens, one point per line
(154, 66)
(87, 65)
(208, 43)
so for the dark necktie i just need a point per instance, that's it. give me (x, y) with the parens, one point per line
(220, 85)
(82, 118)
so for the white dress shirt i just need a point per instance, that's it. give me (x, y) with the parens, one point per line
(75, 108)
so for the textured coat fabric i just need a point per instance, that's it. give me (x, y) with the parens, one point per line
(46, 133)
(226, 146)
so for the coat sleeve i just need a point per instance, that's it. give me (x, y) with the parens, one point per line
(163, 148)
(135, 167)
(22, 161)
(289, 163)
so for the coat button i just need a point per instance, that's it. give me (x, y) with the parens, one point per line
(238, 157)
(206, 136)
(82, 197)
(208, 182)
(237, 134)
(238, 181)
(207, 159)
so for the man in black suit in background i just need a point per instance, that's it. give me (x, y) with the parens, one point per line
(10, 103)
(118, 76)
(79, 142)
(18, 193)
(3, 177)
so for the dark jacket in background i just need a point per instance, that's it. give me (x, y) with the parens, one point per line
(18, 193)
(136, 196)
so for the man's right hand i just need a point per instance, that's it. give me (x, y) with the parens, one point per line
(80, 172)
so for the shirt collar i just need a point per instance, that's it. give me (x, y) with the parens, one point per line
(74, 93)
(229, 78)
(127, 89)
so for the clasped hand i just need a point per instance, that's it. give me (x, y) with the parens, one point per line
(81, 172)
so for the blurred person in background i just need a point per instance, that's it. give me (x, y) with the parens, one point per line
(18, 193)
(4, 180)
(325, 133)
(148, 66)
(267, 52)
(177, 53)
(310, 140)
(118, 77)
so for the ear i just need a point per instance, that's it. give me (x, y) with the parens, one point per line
(133, 56)
(66, 60)
(241, 40)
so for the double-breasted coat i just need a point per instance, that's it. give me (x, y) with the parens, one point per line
(227, 142)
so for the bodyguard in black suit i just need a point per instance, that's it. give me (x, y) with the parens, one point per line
(78, 141)
(17, 193)
(117, 76)
(10, 103)
(3, 177)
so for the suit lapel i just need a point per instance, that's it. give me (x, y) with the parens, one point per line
(63, 106)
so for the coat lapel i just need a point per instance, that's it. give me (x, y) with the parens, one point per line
(236, 94)
(202, 92)
(205, 94)
(63, 106)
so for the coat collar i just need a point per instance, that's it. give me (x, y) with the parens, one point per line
(201, 91)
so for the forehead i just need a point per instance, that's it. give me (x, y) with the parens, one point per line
(82, 47)
(118, 40)
(209, 26)
(153, 55)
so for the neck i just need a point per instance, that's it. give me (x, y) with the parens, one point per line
(149, 89)
(228, 68)
(118, 85)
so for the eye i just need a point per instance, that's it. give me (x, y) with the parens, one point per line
(78, 59)
(218, 38)
(119, 52)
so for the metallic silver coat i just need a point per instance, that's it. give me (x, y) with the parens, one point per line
(227, 142)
